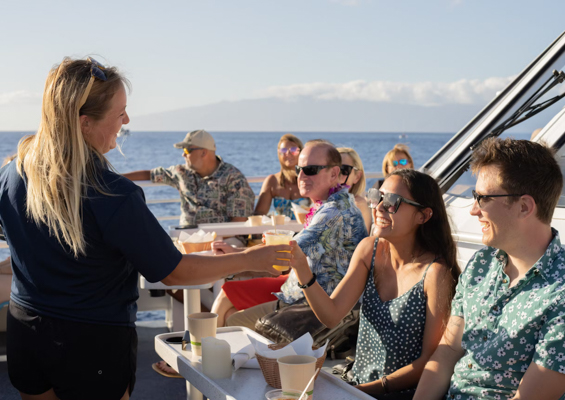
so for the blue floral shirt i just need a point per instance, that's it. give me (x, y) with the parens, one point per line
(507, 328)
(328, 243)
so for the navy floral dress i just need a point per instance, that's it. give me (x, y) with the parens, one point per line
(390, 332)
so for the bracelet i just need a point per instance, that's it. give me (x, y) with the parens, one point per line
(384, 383)
(312, 281)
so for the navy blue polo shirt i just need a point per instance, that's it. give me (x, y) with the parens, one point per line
(122, 236)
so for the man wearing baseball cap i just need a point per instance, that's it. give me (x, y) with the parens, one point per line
(211, 190)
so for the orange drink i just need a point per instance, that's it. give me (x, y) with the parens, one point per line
(279, 236)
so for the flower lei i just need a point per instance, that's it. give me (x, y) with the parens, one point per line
(319, 203)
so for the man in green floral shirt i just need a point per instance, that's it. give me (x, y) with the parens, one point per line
(505, 337)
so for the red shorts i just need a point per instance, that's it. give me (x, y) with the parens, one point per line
(252, 292)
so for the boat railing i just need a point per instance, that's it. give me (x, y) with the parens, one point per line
(149, 184)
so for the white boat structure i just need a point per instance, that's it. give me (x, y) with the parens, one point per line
(534, 93)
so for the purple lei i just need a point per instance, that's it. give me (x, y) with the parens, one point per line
(319, 203)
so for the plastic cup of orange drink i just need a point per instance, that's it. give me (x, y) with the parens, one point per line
(279, 236)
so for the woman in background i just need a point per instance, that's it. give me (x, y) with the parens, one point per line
(397, 158)
(407, 275)
(281, 188)
(353, 174)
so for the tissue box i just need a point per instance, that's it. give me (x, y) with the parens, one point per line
(270, 366)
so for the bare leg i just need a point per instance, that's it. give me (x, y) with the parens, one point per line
(48, 395)
(126, 395)
(5, 287)
(223, 307)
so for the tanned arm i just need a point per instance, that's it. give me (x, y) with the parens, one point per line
(436, 377)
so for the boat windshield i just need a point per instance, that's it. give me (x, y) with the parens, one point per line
(530, 102)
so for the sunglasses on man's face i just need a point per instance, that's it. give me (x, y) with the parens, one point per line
(96, 72)
(391, 201)
(402, 161)
(311, 169)
(292, 150)
(188, 151)
(479, 197)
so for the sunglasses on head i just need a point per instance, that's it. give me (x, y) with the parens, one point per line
(292, 150)
(188, 151)
(96, 72)
(391, 201)
(479, 197)
(402, 161)
(311, 169)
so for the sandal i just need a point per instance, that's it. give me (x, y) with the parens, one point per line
(165, 369)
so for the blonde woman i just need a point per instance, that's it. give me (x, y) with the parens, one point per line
(397, 158)
(71, 332)
(353, 174)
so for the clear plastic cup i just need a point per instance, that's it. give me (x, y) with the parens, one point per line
(279, 236)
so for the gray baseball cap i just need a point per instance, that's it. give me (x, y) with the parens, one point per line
(199, 138)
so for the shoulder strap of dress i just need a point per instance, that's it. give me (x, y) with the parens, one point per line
(374, 253)
(428, 267)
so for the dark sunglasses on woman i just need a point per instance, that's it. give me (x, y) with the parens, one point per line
(391, 201)
(402, 161)
(292, 150)
(346, 169)
(311, 169)
(96, 72)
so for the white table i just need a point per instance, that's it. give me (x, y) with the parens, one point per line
(191, 302)
(191, 305)
(224, 229)
(245, 384)
(236, 228)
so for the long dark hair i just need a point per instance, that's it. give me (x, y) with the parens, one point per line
(435, 235)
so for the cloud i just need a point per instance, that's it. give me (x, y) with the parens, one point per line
(19, 97)
(464, 91)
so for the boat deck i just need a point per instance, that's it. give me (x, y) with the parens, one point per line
(149, 385)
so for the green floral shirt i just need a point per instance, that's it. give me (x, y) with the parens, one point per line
(506, 328)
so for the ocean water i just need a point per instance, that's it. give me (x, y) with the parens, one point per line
(254, 153)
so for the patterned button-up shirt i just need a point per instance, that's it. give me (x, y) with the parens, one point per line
(208, 199)
(328, 243)
(508, 328)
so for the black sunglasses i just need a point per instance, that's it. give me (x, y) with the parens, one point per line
(96, 72)
(346, 169)
(391, 201)
(479, 197)
(311, 169)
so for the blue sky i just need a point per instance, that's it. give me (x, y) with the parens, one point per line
(188, 53)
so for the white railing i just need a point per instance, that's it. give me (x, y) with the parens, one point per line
(250, 179)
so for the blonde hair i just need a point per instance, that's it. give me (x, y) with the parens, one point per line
(288, 175)
(359, 188)
(58, 163)
(398, 148)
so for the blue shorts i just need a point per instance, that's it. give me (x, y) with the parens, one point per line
(77, 360)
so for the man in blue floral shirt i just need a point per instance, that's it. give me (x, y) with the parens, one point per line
(334, 228)
(505, 337)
